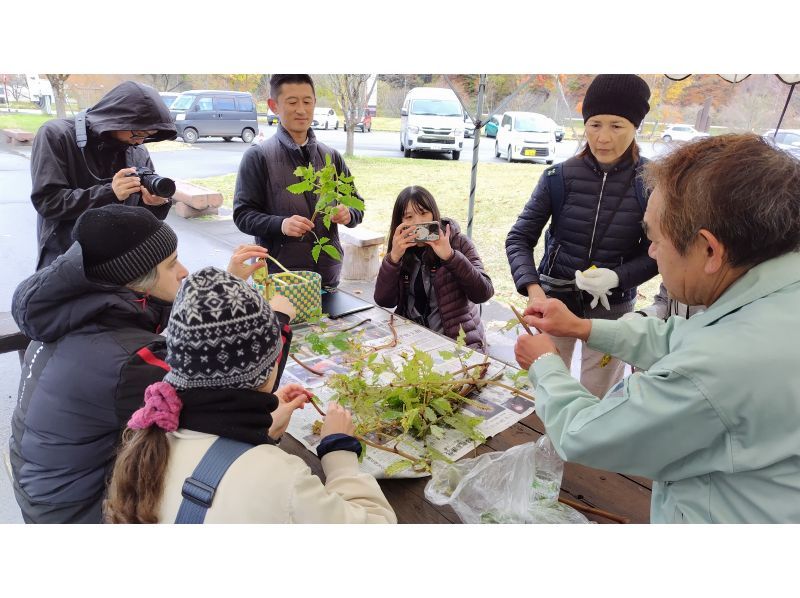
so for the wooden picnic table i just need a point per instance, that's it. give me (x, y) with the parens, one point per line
(623, 495)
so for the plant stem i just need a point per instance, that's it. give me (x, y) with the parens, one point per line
(313, 371)
(392, 449)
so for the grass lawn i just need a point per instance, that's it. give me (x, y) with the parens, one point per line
(26, 122)
(502, 191)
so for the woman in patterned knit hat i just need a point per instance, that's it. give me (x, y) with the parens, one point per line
(227, 348)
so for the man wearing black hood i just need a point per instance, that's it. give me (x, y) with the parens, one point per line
(68, 180)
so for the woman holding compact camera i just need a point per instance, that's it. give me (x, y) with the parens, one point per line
(432, 273)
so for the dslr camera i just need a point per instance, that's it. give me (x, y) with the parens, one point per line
(157, 185)
(426, 231)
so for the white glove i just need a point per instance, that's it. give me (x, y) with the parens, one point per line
(598, 282)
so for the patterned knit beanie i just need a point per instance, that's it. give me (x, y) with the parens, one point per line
(621, 95)
(221, 334)
(122, 243)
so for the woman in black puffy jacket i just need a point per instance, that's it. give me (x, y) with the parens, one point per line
(595, 251)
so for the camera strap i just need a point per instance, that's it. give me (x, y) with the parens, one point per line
(80, 129)
(82, 139)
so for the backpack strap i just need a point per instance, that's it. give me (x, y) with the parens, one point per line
(555, 186)
(199, 489)
(638, 184)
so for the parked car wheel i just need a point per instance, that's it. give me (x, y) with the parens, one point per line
(336, 128)
(189, 135)
(407, 153)
(508, 155)
(496, 150)
(667, 138)
(248, 135)
(456, 155)
(227, 138)
(548, 162)
(326, 125)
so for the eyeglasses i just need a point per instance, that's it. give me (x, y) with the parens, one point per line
(142, 134)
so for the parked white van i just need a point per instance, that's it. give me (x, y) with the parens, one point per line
(431, 120)
(525, 136)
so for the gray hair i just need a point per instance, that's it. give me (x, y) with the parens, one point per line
(145, 283)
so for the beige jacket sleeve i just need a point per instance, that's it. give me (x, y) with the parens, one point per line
(348, 496)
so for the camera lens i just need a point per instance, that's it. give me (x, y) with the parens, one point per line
(158, 185)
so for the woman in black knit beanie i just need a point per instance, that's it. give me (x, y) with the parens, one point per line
(95, 316)
(595, 252)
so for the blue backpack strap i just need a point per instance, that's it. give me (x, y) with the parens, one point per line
(199, 489)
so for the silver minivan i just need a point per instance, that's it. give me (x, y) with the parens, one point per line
(214, 113)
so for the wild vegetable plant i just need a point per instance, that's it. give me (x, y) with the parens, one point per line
(333, 190)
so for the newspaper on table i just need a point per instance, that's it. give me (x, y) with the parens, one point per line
(499, 407)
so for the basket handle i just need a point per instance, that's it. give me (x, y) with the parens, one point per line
(285, 269)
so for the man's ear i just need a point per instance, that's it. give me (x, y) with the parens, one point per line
(273, 105)
(714, 251)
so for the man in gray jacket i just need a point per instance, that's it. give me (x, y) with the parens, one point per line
(262, 207)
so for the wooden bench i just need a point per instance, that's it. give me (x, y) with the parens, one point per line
(11, 339)
(192, 201)
(15, 136)
(361, 260)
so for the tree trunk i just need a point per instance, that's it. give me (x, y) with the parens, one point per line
(57, 83)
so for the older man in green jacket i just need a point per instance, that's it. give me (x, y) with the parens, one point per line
(714, 416)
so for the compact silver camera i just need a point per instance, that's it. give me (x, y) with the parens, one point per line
(426, 231)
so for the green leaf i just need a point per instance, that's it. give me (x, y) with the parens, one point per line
(298, 188)
(327, 160)
(363, 451)
(331, 251)
(352, 202)
(391, 415)
(341, 341)
(461, 338)
(323, 240)
(437, 431)
(442, 406)
(326, 220)
(315, 252)
(430, 415)
(447, 355)
(397, 467)
(437, 456)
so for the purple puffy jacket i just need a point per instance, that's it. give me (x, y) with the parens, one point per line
(459, 283)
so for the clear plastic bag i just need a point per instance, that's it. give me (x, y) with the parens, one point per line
(520, 485)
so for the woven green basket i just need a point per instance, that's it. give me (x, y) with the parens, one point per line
(305, 295)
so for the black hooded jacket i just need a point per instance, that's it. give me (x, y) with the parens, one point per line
(95, 349)
(63, 186)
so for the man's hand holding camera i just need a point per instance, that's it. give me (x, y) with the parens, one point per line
(125, 183)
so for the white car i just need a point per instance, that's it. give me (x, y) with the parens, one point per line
(681, 133)
(786, 139)
(525, 136)
(325, 118)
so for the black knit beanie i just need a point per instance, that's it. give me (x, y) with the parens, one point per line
(620, 95)
(122, 243)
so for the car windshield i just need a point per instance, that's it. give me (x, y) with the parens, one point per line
(168, 100)
(436, 107)
(182, 102)
(531, 124)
